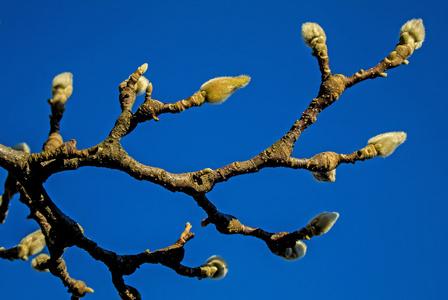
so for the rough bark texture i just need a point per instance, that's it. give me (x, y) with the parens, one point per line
(27, 173)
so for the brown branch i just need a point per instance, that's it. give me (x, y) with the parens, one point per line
(228, 224)
(27, 172)
(394, 59)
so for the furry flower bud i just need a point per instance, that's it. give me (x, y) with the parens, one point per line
(31, 244)
(22, 147)
(215, 267)
(141, 85)
(61, 88)
(329, 176)
(37, 262)
(63, 83)
(293, 253)
(386, 143)
(323, 222)
(312, 33)
(413, 29)
(218, 89)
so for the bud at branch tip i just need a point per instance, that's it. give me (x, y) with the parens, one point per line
(215, 267)
(413, 31)
(386, 143)
(312, 33)
(323, 222)
(218, 89)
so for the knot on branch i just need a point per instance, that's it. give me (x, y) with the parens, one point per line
(323, 162)
(225, 224)
(367, 152)
(148, 110)
(79, 289)
(54, 141)
(332, 87)
(280, 151)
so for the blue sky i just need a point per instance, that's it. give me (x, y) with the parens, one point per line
(389, 242)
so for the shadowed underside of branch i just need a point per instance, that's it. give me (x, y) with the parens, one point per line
(27, 172)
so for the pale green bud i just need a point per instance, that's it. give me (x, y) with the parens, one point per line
(215, 267)
(386, 143)
(323, 222)
(218, 89)
(38, 261)
(22, 147)
(61, 88)
(293, 253)
(312, 33)
(141, 85)
(416, 31)
(31, 244)
(329, 176)
(62, 83)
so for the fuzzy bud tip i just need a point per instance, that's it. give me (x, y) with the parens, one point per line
(218, 89)
(311, 32)
(323, 222)
(329, 176)
(386, 143)
(293, 253)
(416, 31)
(37, 262)
(62, 88)
(143, 68)
(220, 264)
(22, 147)
(141, 85)
(62, 80)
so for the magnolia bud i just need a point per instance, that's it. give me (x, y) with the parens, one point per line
(215, 267)
(141, 85)
(329, 176)
(62, 88)
(323, 222)
(218, 89)
(31, 244)
(37, 262)
(22, 147)
(293, 253)
(414, 30)
(386, 143)
(313, 33)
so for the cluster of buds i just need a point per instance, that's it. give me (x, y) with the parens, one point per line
(214, 268)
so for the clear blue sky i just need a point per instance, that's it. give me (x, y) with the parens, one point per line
(390, 240)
